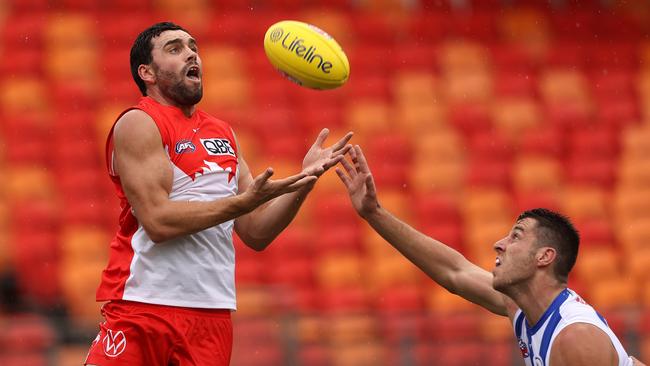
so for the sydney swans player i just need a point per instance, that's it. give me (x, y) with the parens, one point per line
(184, 187)
(553, 325)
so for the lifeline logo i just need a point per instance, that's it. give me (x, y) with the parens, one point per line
(296, 45)
(114, 343)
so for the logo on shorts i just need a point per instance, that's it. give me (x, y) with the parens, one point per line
(114, 343)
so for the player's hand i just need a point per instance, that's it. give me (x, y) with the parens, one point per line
(319, 159)
(358, 180)
(263, 189)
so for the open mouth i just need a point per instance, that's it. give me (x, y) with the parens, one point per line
(497, 262)
(193, 73)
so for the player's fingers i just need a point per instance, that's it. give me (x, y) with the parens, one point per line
(344, 178)
(262, 178)
(310, 179)
(331, 162)
(361, 159)
(321, 137)
(343, 151)
(341, 143)
(348, 168)
(370, 185)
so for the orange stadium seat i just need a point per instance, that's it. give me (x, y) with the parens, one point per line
(630, 203)
(368, 116)
(614, 293)
(442, 302)
(400, 300)
(597, 263)
(536, 173)
(391, 271)
(351, 328)
(24, 94)
(514, 115)
(634, 173)
(28, 182)
(343, 300)
(585, 202)
(340, 270)
(367, 353)
(471, 86)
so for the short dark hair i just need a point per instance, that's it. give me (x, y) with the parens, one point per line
(141, 49)
(557, 231)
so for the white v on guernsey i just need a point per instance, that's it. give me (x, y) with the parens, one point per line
(568, 308)
(194, 270)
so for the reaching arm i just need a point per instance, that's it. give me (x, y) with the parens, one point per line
(258, 228)
(583, 344)
(443, 264)
(146, 176)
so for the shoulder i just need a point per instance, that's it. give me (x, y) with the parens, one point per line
(583, 344)
(136, 127)
(134, 121)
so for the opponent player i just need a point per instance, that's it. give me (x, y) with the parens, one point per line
(184, 185)
(553, 325)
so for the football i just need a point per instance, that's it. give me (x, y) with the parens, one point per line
(306, 55)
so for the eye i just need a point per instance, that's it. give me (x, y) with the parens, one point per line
(173, 50)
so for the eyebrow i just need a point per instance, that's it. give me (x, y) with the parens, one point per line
(518, 227)
(179, 40)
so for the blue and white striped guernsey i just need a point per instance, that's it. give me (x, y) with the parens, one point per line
(536, 342)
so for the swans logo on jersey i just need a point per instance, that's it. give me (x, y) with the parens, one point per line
(217, 146)
(114, 343)
(184, 146)
(523, 348)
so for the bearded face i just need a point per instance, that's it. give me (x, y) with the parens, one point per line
(183, 87)
(176, 68)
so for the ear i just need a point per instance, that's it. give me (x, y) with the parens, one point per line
(146, 73)
(545, 256)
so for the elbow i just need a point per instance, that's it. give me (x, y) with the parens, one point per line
(157, 232)
(257, 245)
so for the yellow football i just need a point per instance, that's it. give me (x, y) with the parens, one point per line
(306, 55)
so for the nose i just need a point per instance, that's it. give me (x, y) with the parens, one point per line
(191, 54)
(499, 245)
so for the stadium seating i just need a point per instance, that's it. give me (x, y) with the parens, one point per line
(468, 111)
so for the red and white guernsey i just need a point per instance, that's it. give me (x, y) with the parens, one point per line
(195, 270)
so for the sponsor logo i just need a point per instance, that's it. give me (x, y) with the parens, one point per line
(114, 343)
(216, 146)
(523, 348)
(538, 361)
(184, 146)
(296, 45)
(276, 34)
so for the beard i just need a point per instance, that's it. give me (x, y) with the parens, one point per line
(173, 87)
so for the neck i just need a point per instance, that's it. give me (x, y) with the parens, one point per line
(155, 94)
(535, 297)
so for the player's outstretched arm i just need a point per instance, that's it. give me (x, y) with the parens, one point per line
(443, 264)
(583, 344)
(258, 228)
(146, 176)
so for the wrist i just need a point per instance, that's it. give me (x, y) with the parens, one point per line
(372, 213)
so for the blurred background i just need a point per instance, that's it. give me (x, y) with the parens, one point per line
(469, 111)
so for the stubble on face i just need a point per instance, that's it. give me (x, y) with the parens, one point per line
(517, 260)
(172, 86)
